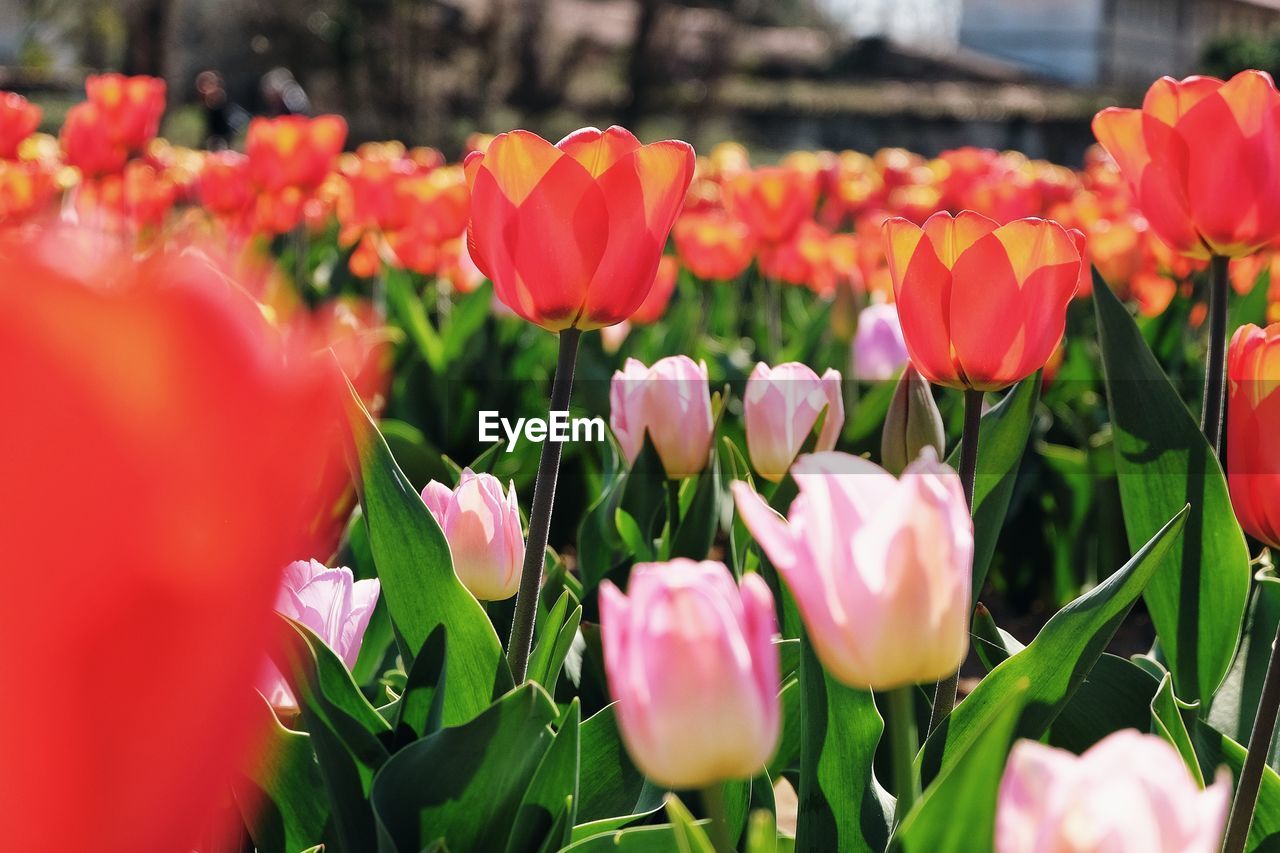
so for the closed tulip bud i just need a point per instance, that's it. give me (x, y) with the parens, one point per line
(912, 423)
(781, 406)
(333, 604)
(571, 233)
(879, 567)
(672, 404)
(879, 350)
(482, 526)
(1129, 791)
(982, 305)
(691, 663)
(1253, 419)
(1198, 156)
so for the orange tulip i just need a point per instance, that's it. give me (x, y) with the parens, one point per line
(25, 191)
(19, 118)
(131, 107)
(1200, 157)
(773, 201)
(803, 260)
(294, 151)
(223, 186)
(713, 246)
(571, 233)
(1253, 418)
(86, 144)
(981, 305)
(165, 434)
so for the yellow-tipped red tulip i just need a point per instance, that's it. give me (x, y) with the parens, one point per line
(982, 305)
(571, 233)
(1253, 416)
(1201, 158)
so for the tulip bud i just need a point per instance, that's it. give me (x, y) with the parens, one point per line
(879, 567)
(781, 406)
(691, 663)
(879, 350)
(1129, 791)
(482, 526)
(912, 423)
(333, 604)
(671, 402)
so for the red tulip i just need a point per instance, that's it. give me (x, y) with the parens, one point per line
(131, 107)
(713, 246)
(773, 201)
(571, 233)
(223, 186)
(26, 190)
(19, 118)
(85, 142)
(1253, 417)
(981, 305)
(664, 285)
(1200, 157)
(146, 523)
(294, 151)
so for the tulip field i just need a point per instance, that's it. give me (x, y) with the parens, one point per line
(606, 494)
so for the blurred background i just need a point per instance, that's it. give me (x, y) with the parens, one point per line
(773, 74)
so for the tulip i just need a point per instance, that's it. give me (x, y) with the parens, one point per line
(879, 567)
(26, 190)
(781, 406)
(223, 186)
(147, 522)
(482, 526)
(571, 233)
(330, 602)
(713, 246)
(691, 663)
(664, 285)
(19, 118)
(1253, 417)
(912, 423)
(982, 305)
(1127, 792)
(1200, 158)
(773, 201)
(671, 403)
(85, 142)
(131, 107)
(294, 151)
(879, 351)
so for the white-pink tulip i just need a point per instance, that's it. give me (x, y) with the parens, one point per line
(1128, 792)
(879, 567)
(671, 402)
(781, 406)
(691, 663)
(482, 526)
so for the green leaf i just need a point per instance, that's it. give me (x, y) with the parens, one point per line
(613, 787)
(993, 645)
(281, 797)
(546, 814)
(1169, 720)
(1236, 702)
(689, 834)
(842, 806)
(1252, 306)
(1055, 662)
(1214, 749)
(1163, 463)
(465, 784)
(791, 700)
(555, 637)
(419, 584)
(420, 709)
(1002, 439)
(407, 308)
(967, 787)
(599, 546)
(465, 320)
(698, 526)
(632, 536)
(644, 494)
(638, 839)
(1115, 695)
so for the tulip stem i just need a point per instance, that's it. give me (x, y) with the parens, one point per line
(1255, 761)
(944, 697)
(544, 493)
(673, 511)
(713, 803)
(903, 743)
(1211, 412)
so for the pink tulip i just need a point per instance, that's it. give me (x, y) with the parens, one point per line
(671, 402)
(781, 406)
(879, 349)
(692, 666)
(482, 526)
(1129, 791)
(333, 604)
(879, 567)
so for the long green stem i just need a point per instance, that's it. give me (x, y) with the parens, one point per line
(713, 803)
(544, 493)
(1211, 413)
(673, 513)
(944, 696)
(903, 743)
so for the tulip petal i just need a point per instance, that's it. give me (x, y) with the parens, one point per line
(1120, 132)
(950, 235)
(597, 151)
(769, 529)
(922, 289)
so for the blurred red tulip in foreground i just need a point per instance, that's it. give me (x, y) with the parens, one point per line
(156, 434)
(571, 233)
